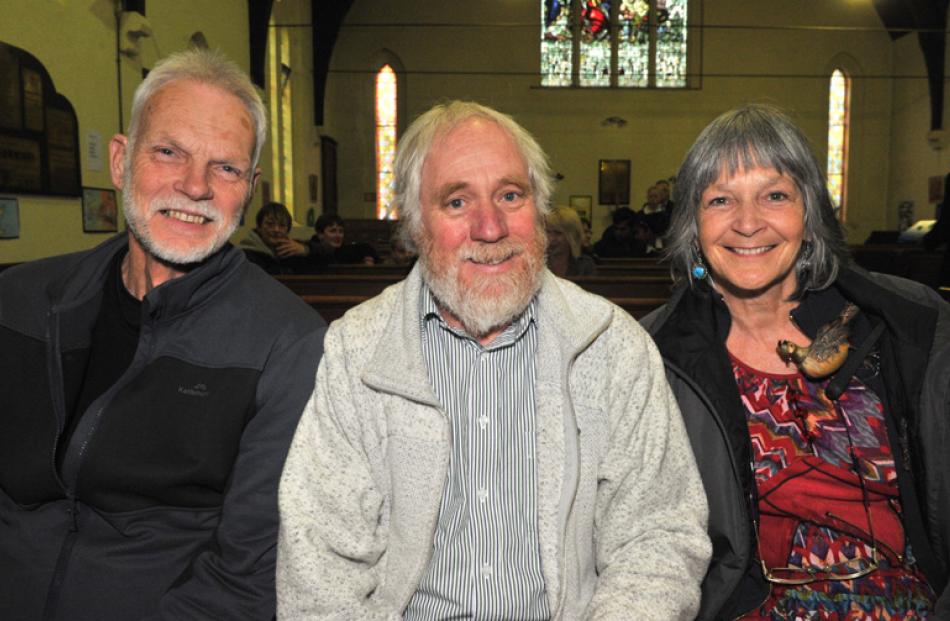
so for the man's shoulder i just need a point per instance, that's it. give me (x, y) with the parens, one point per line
(26, 287)
(610, 325)
(370, 318)
(270, 301)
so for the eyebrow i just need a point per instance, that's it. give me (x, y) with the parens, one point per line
(450, 188)
(521, 182)
(238, 162)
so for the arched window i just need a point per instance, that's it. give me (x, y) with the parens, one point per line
(280, 102)
(630, 43)
(839, 112)
(385, 142)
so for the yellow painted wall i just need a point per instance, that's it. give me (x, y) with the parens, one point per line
(493, 58)
(75, 41)
(914, 160)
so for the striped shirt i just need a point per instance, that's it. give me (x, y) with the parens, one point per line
(485, 561)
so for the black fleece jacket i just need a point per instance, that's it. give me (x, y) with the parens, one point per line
(914, 382)
(166, 502)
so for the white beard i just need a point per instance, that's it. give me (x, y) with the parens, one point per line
(493, 301)
(137, 218)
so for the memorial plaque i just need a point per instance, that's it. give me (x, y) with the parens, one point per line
(11, 116)
(20, 164)
(33, 100)
(60, 129)
(39, 132)
(62, 171)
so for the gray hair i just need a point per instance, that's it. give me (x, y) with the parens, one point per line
(415, 144)
(206, 67)
(747, 137)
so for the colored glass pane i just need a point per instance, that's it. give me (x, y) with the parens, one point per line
(385, 142)
(839, 103)
(671, 43)
(595, 43)
(633, 49)
(556, 43)
(644, 41)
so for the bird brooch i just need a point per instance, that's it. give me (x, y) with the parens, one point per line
(827, 352)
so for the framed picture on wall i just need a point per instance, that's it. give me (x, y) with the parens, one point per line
(582, 204)
(9, 218)
(613, 182)
(99, 211)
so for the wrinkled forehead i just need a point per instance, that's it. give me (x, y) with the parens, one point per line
(467, 138)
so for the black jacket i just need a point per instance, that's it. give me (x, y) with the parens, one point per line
(166, 502)
(914, 349)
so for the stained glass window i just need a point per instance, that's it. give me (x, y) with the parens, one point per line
(839, 112)
(626, 43)
(556, 43)
(671, 43)
(633, 51)
(385, 142)
(595, 43)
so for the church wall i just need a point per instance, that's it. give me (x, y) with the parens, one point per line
(755, 60)
(914, 160)
(75, 41)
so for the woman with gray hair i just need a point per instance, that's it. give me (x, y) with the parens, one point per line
(815, 393)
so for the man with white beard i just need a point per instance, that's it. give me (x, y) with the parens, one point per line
(149, 387)
(486, 440)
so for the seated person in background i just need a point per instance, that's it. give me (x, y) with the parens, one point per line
(652, 243)
(399, 254)
(656, 211)
(618, 241)
(327, 247)
(564, 244)
(270, 246)
(587, 241)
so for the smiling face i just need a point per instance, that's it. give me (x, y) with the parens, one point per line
(481, 241)
(188, 178)
(332, 236)
(751, 227)
(273, 230)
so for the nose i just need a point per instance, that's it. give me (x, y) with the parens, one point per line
(489, 223)
(194, 184)
(749, 219)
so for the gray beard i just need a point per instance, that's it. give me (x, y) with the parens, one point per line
(137, 221)
(479, 311)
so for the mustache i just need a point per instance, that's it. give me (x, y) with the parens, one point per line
(202, 208)
(491, 253)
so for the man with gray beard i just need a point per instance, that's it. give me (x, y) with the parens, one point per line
(149, 387)
(485, 440)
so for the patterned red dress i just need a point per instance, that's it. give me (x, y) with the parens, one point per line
(820, 518)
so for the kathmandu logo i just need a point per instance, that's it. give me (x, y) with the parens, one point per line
(198, 390)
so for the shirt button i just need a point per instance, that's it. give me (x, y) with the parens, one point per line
(482, 422)
(486, 571)
(482, 495)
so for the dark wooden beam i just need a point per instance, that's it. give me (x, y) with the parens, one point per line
(327, 17)
(258, 21)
